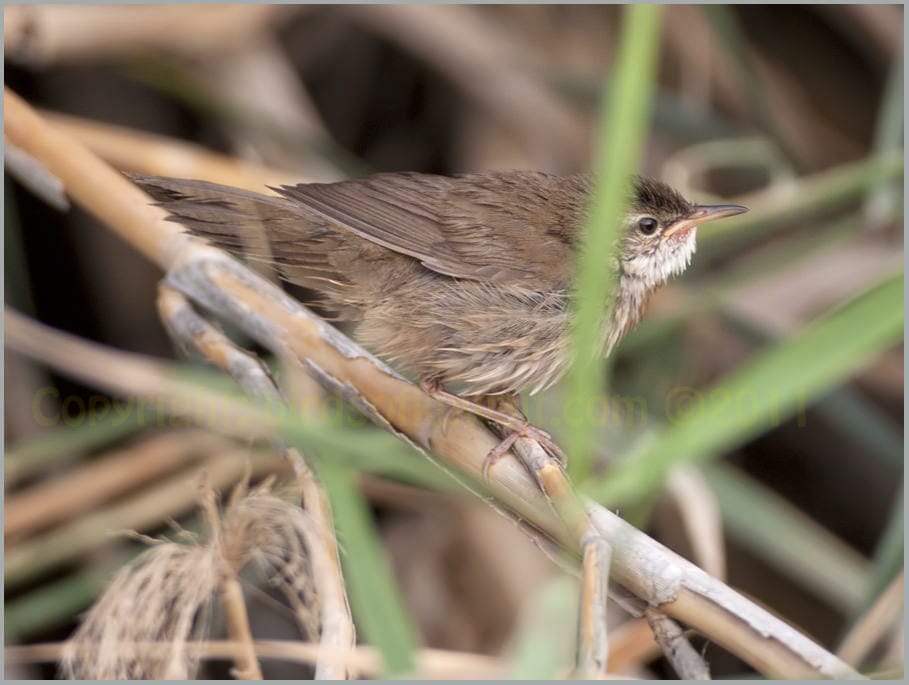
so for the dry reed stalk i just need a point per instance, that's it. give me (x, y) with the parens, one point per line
(236, 620)
(874, 625)
(432, 664)
(47, 34)
(147, 509)
(640, 565)
(193, 332)
(33, 176)
(246, 665)
(52, 501)
(688, 664)
(148, 153)
(338, 630)
(593, 641)
(700, 518)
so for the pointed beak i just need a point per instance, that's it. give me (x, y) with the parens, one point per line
(702, 214)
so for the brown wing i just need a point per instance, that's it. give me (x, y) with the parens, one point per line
(505, 227)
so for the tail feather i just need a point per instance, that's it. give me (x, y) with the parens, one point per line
(221, 212)
(265, 228)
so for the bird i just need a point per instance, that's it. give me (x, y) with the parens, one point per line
(465, 282)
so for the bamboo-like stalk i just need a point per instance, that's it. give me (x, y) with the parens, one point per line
(237, 621)
(699, 514)
(148, 153)
(194, 332)
(874, 624)
(48, 34)
(593, 641)
(640, 565)
(235, 617)
(50, 502)
(684, 658)
(431, 663)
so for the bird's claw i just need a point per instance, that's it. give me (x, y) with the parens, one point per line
(530, 432)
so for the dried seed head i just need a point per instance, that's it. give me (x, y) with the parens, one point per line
(143, 624)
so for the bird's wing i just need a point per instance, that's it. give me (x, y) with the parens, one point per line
(492, 228)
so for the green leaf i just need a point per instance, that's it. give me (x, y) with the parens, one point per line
(854, 415)
(777, 385)
(888, 556)
(52, 604)
(888, 135)
(621, 139)
(377, 605)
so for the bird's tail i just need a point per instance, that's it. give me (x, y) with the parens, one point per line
(225, 216)
(261, 227)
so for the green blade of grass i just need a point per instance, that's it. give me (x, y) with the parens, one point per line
(775, 386)
(868, 425)
(888, 557)
(351, 438)
(53, 604)
(844, 408)
(888, 135)
(621, 139)
(376, 603)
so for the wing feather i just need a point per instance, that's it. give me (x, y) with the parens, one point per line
(482, 228)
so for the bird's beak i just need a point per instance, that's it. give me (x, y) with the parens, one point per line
(703, 214)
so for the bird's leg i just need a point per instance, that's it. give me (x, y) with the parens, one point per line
(510, 405)
(512, 419)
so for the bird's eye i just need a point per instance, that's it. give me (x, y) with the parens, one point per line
(647, 225)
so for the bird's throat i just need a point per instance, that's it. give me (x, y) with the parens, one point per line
(630, 301)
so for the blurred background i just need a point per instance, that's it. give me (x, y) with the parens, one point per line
(795, 111)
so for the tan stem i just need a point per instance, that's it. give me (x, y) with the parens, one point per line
(245, 662)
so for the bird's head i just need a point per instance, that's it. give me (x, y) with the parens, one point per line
(657, 242)
(660, 231)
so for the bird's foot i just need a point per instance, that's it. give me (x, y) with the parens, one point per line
(498, 452)
(528, 431)
(512, 419)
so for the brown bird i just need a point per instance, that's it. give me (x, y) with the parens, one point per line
(465, 281)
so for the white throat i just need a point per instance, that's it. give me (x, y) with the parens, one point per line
(638, 278)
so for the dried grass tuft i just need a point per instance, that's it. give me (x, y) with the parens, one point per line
(270, 532)
(164, 596)
(143, 624)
